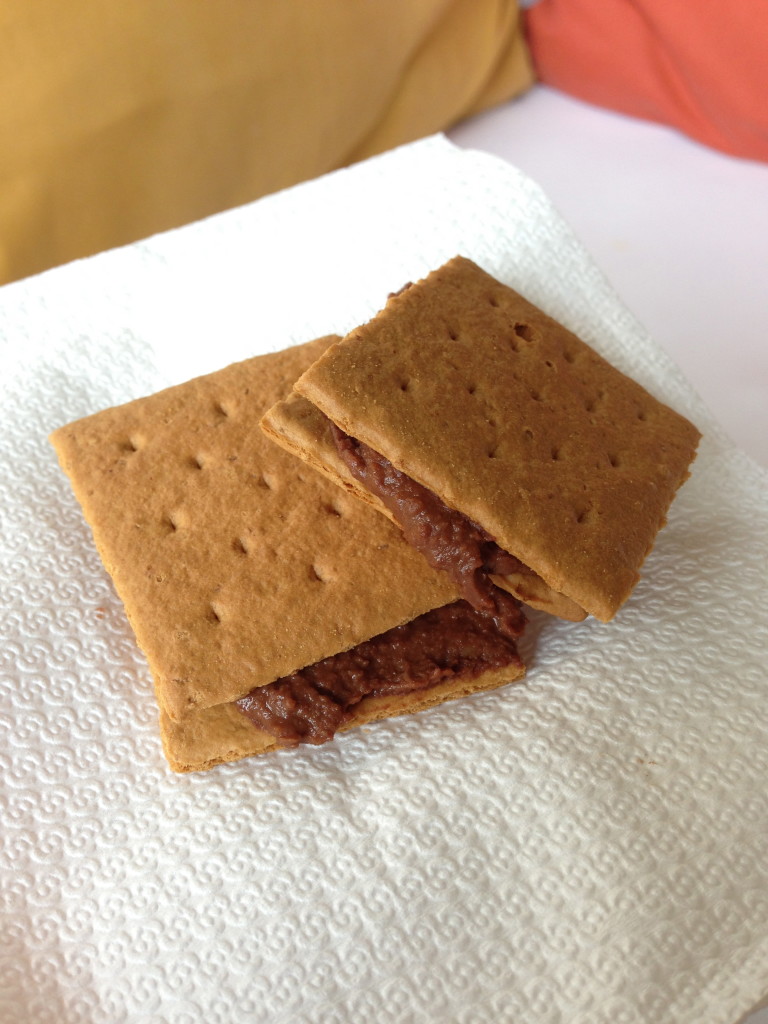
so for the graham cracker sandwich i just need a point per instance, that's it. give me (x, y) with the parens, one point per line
(272, 608)
(508, 450)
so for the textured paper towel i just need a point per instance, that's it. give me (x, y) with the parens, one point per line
(587, 847)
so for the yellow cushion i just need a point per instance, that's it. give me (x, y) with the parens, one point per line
(122, 119)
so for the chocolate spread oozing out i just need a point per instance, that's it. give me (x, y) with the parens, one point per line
(452, 642)
(447, 538)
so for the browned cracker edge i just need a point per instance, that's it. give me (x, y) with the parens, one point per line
(218, 735)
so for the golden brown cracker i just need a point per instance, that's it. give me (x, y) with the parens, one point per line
(299, 427)
(302, 429)
(205, 738)
(235, 564)
(513, 420)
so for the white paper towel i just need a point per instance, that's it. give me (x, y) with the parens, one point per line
(587, 847)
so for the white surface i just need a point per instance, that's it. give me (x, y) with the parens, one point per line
(588, 847)
(681, 232)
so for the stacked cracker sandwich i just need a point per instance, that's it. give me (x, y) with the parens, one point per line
(346, 530)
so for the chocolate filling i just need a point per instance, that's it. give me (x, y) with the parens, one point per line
(448, 539)
(453, 642)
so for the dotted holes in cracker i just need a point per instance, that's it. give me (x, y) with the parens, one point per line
(591, 404)
(170, 523)
(333, 510)
(221, 410)
(130, 445)
(196, 462)
(240, 546)
(317, 574)
(213, 614)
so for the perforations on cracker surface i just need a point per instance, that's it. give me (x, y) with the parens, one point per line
(515, 421)
(236, 564)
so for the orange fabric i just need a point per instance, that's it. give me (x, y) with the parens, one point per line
(698, 65)
(122, 119)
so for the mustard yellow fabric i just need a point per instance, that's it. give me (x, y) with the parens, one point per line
(120, 119)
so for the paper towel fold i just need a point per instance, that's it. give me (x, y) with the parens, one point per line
(587, 847)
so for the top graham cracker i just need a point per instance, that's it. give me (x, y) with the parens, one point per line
(513, 420)
(236, 564)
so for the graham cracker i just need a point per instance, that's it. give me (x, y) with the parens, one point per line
(203, 739)
(300, 427)
(511, 419)
(235, 564)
